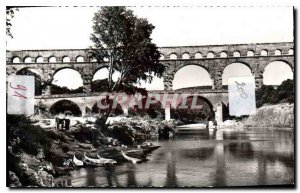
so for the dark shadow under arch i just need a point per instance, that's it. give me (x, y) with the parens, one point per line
(65, 106)
(190, 115)
(155, 110)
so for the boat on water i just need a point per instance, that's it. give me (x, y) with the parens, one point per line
(106, 160)
(131, 159)
(77, 162)
(91, 161)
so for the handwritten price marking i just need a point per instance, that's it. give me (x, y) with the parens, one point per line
(240, 89)
(16, 90)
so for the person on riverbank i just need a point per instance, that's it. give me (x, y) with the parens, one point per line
(60, 121)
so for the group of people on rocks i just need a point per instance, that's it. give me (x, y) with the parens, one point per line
(63, 121)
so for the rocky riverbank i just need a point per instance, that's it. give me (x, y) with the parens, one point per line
(38, 152)
(273, 116)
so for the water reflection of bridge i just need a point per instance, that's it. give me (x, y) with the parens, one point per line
(217, 158)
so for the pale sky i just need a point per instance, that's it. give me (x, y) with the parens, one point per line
(63, 28)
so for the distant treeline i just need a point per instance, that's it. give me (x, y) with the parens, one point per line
(269, 95)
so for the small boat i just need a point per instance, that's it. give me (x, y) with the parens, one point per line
(106, 160)
(91, 161)
(77, 162)
(131, 159)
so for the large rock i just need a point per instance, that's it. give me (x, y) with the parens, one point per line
(280, 115)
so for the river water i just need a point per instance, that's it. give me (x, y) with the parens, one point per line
(244, 157)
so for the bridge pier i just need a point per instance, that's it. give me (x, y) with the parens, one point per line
(83, 111)
(219, 113)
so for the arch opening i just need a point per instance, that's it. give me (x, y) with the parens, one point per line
(65, 106)
(236, 54)
(16, 60)
(39, 59)
(223, 55)
(100, 79)
(198, 55)
(65, 59)
(188, 114)
(173, 56)
(79, 59)
(235, 70)
(185, 56)
(192, 77)
(264, 53)
(250, 53)
(210, 55)
(52, 59)
(278, 52)
(28, 59)
(155, 84)
(66, 81)
(276, 72)
(154, 110)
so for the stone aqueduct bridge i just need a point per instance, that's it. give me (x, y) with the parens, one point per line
(213, 58)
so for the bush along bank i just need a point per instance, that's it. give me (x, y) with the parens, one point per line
(36, 155)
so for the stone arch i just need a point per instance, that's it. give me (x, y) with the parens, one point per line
(66, 59)
(185, 55)
(79, 58)
(198, 55)
(27, 59)
(278, 52)
(154, 110)
(173, 56)
(277, 71)
(63, 106)
(223, 54)
(190, 72)
(210, 54)
(291, 52)
(236, 54)
(187, 113)
(63, 68)
(16, 59)
(52, 59)
(239, 69)
(101, 84)
(161, 57)
(264, 52)
(250, 53)
(67, 83)
(39, 59)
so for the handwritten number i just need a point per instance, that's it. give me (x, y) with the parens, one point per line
(19, 95)
(18, 87)
(242, 92)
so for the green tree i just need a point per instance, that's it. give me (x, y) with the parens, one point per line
(125, 40)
